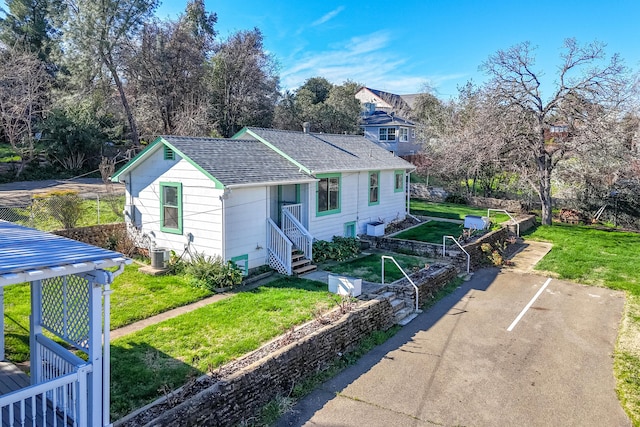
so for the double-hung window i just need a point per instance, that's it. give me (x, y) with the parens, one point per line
(374, 188)
(328, 194)
(171, 207)
(387, 134)
(404, 135)
(398, 183)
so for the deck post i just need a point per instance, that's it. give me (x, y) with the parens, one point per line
(35, 328)
(1, 323)
(95, 352)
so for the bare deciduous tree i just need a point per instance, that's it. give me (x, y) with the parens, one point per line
(23, 88)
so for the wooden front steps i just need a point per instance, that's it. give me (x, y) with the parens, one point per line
(300, 264)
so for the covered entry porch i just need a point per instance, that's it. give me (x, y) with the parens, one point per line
(69, 298)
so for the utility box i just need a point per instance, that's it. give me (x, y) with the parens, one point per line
(375, 229)
(159, 258)
(345, 285)
(476, 222)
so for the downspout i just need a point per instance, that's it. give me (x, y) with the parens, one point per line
(106, 347)
(408, 203)
(223, 197)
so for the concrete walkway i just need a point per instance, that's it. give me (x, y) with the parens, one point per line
(525, 260)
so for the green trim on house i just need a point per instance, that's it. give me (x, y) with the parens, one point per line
(328, 177)
(374, 188)
(177, 204)
(350, 229)
(398, 174)
(150, 149)
(243, 267)
(273, 147)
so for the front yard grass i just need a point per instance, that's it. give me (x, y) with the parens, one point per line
(611, 259)
(431, 232)
(135, 296)
(147, 363)
(369, 267)
(452, 211)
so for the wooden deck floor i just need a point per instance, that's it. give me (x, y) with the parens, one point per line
(12, 378)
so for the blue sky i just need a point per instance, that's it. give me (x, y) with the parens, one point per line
(401, 46)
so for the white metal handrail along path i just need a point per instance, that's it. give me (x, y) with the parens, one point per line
(405, 275)
(297, 233)
(509, 215)
(444, 249)
(279, 248)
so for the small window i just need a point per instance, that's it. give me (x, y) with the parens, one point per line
(413, 133)
(398, 184)
(328, 194)
(374, 188)
(404, 135)
(169, 154)
(383, 134)
(242, 263)
(350, 229)
(171, 207)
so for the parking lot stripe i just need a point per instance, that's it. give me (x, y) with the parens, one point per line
(528, 306)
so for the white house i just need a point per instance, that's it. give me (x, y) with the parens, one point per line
(255, 198)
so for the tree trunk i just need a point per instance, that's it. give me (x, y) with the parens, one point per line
(544, 175)
(123, 97)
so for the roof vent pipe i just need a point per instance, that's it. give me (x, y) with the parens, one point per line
(306, 127)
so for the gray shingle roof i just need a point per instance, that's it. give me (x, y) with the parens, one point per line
(237, 162)
(382, 118)
(320, 152)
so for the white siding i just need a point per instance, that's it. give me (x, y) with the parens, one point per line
(354, 205)
(246, 211)
(201, 205)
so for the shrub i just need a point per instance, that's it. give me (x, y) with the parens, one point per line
(456, 198)
(339, 249)
(212, 272)
(65, 206)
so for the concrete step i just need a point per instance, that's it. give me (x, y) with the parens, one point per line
(397, 304)
(409, 317)
(389, 295)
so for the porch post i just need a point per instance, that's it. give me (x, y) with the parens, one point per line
(1, 323)
(95, 352)
(35, 328)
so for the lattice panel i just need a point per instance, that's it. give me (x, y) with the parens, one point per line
(275, 263)
(65, 309)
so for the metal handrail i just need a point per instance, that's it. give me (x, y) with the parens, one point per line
(509, 215)
(405, 275)
(444, 248)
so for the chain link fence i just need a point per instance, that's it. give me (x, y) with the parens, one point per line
(64, 210)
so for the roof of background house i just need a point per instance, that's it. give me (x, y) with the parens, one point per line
(396, 101)
(383, 118)
(321, 152)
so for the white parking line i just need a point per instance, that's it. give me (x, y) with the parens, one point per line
(528, 306)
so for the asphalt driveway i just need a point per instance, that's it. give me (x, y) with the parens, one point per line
(486, 355)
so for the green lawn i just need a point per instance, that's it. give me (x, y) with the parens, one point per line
(611, 259)
(135, 296)
(452, 211)
(431, 232)
(369, 267)
(166, 355)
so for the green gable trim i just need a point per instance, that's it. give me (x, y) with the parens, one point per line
(268, 144)
(166, 147)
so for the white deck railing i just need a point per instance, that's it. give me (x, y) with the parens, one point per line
(278, 249)
(54, 360)
(295, 210)
(59, 402)
(295, 231)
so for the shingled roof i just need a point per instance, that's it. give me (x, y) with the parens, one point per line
(321, 152)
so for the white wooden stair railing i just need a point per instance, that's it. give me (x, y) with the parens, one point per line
(297, 233)
(279, 249)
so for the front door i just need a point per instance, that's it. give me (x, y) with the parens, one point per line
(286, 195)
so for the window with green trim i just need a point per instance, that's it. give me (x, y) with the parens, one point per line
(242, 263)
(169, 154)
(374, 188)
(350, 229)
(328, 194)
(398, 183)
(171, 207)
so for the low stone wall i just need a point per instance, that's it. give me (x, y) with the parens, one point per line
(478, 258)
(424, 192)
(414, 247)
(526, 223)
(97, 235)
(428, 281)
(509, 205)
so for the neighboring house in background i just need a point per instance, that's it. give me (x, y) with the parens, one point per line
(386, 101)
(255, 198)
(391, 132)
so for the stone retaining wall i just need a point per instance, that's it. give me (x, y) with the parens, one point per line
(428, 282)
(97, 235)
